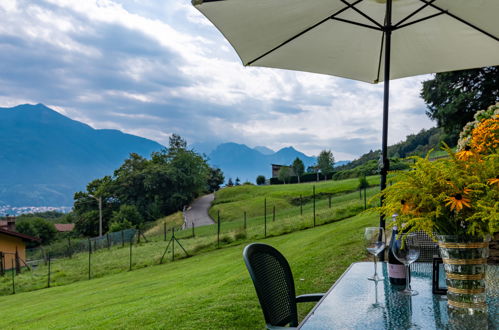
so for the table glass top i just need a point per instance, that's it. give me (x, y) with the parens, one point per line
(357, 303)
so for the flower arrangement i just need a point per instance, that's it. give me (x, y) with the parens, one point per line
(458, 195)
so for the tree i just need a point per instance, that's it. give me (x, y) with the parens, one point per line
(298, 168)
(453, 98)
(260, 180)
(127, 214)
(215, 179)
(230, 183)
(284, 174)
(325, 162)
(238, 182)
(37, 227)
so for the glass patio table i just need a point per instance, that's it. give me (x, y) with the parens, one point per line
(354, 302)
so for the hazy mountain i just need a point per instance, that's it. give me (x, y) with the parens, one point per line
(238, 160)
(45, 157)
(264, 150)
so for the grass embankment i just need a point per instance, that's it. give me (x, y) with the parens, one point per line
(208, 291)
(231, 202)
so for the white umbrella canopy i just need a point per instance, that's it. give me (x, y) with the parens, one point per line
(365, 40)
(346, 38)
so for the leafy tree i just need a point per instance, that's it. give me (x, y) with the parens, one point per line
(363, 182)
(238, 182)
(127, 214)
(260, 180)
(37, 227)
(453, 98)
(325, 162)
(298, 168)
(155, 187)
(284, 174)
(215, 179)
(230, 183)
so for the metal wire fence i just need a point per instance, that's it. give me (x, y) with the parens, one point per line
(71, 260)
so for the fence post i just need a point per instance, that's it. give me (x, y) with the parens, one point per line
(2, 268)
(138, 236)
(13, 282)
(48, 277)
(365, 199)
(131, 243)
(193, 234)
(173, 244)
(265, 217)
(123, 238)
(70, 254)
(273, 214)
(18, 264)
(164, 231)
(301, 206)
(218, 229)
(244, 220)
(89, 258)
(314, 204)
(360, 193)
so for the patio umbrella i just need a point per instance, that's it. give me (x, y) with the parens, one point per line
(366, 40)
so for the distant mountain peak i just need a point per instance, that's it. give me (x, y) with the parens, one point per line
(47, 157)
(264, 150)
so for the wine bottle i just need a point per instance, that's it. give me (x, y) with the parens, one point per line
(396, 269)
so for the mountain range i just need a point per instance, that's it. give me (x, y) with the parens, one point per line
(245, 163)
(46, 157)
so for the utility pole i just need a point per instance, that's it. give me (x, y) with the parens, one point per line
(99, 200)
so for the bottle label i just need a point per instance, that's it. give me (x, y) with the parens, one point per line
(396, 271)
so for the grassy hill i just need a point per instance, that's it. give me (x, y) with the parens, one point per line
(209, 291)
(231, 203)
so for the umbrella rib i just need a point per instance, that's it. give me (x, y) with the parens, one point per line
(360, 12)
(418, 20)
(461, 20)
(413, 13)
(357, 23)
(303, 32)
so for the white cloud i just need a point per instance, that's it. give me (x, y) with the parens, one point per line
(156, 67)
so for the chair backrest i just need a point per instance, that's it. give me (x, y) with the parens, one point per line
(273, 282)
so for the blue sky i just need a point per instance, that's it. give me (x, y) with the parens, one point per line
(153, 68)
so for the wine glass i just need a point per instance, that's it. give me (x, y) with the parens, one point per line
(406, 250)
(374, 238)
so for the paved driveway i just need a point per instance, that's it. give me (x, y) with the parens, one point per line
(197, 213)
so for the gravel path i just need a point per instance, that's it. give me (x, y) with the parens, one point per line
(197, 213)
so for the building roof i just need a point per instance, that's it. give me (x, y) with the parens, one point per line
(19, 235)
(64, 227)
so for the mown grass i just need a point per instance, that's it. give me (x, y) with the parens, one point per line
(232, 202)
(288, 219)
(211, 290)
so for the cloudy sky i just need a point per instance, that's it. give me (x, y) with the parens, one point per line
(153, 68)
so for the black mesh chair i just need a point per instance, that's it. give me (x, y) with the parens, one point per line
(274, 285)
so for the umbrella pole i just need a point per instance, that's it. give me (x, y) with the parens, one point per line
(385, 164)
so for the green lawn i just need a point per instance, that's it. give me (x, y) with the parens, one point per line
(211, 290)
(344, 204)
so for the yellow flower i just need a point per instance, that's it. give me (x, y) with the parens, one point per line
(465, 154)
(493, 181)
(457, 202)
(405, 207)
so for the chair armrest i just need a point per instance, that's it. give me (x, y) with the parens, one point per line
(309, 297)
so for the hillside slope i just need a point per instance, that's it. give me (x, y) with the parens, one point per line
(209, 291)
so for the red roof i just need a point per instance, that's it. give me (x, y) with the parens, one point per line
(64, 227)
(16, 234)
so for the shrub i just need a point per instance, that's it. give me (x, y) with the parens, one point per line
(260, 180)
